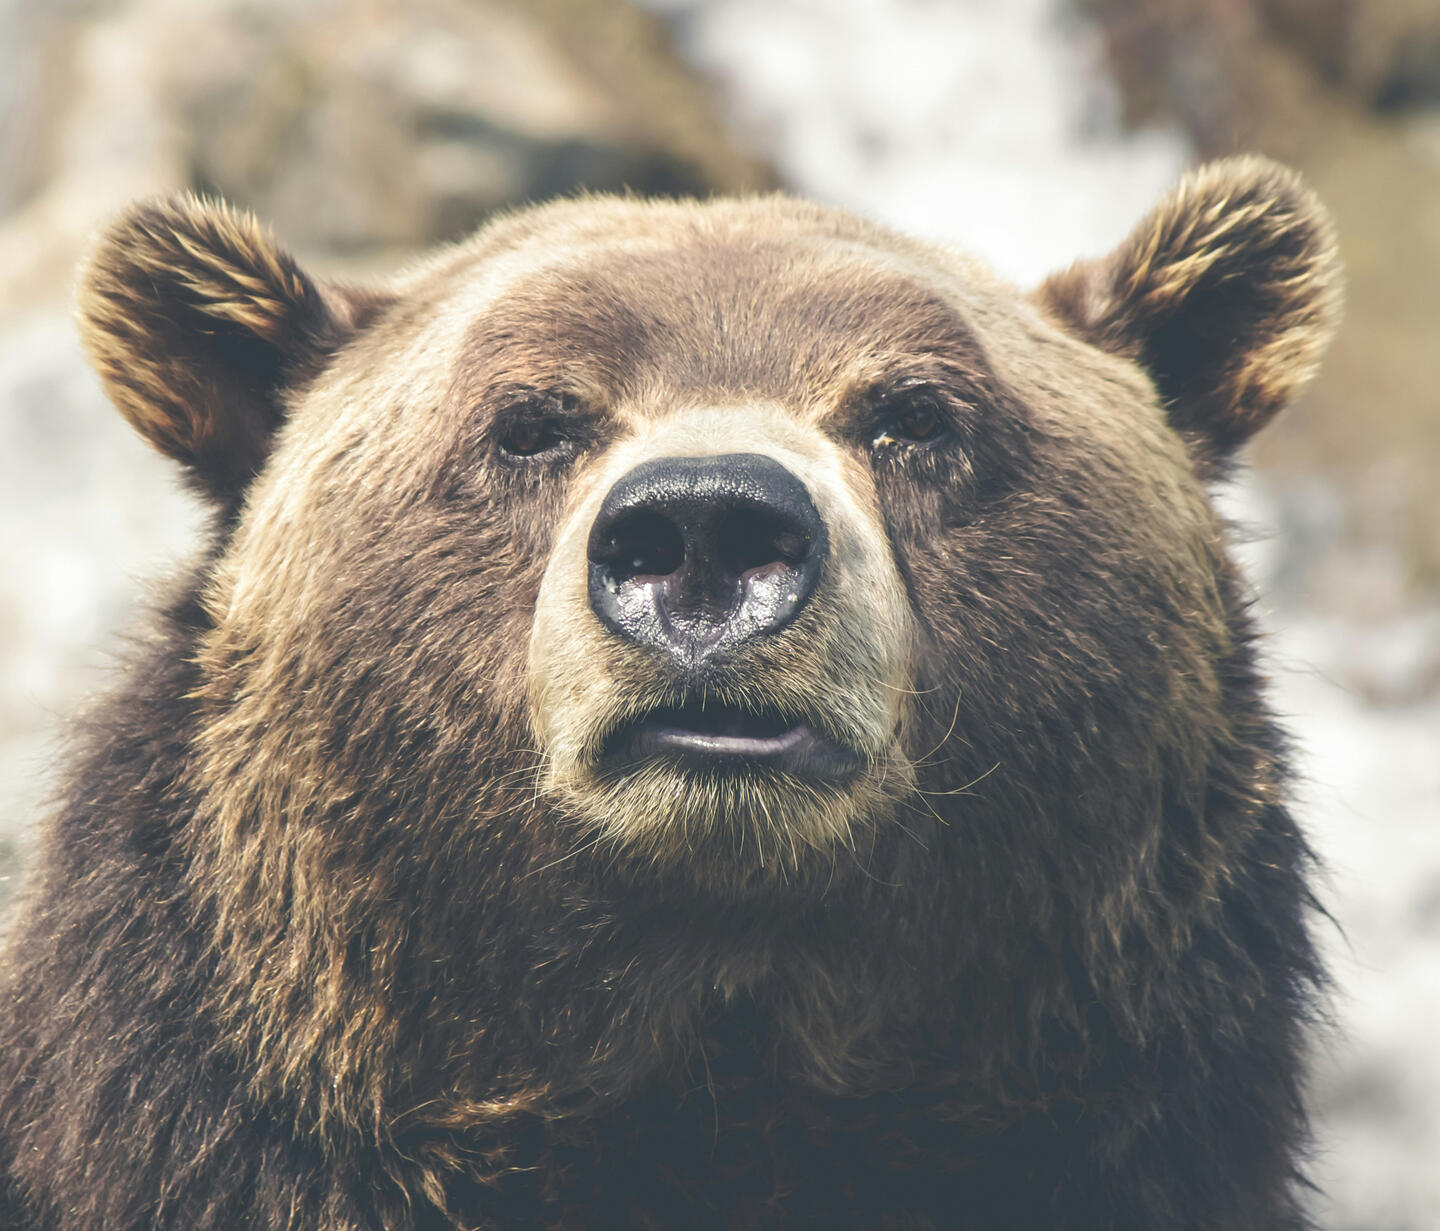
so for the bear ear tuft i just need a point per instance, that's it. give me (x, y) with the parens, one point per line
(1227, 294)
(197, 323)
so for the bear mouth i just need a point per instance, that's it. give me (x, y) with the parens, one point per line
(717, 736)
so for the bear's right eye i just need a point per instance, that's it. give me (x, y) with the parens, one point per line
(539, 428)
(531, 440)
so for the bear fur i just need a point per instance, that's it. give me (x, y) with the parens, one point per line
(337, 924)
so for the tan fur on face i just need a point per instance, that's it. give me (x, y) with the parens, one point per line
(844, 664)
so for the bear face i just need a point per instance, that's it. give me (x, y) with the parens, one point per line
(967, 561)
(649, 613)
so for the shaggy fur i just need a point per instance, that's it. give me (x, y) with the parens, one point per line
(337, 929)
(198, 324)
(1241, 250)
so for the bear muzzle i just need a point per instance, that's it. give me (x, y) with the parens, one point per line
(697, 557)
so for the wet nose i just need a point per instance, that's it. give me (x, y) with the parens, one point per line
(697, 554)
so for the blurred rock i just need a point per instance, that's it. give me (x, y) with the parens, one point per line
(1384, 52)
(353, 125)
(9, 867)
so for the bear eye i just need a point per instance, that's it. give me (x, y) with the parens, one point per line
(531, 439)
(539, 428)
(910, 421)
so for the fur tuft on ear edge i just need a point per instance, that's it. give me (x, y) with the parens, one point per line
(1227, 294)
(196, 321)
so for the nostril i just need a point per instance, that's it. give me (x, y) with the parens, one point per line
(698, 555)
(643, 544)
(751, 539)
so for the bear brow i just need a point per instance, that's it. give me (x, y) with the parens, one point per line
(718, 318)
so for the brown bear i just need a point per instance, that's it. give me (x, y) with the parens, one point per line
(693, 715)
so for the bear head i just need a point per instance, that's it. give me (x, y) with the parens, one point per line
(735, 565)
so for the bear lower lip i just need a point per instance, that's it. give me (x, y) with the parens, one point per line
(713, 736)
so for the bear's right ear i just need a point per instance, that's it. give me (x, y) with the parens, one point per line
(197, 323)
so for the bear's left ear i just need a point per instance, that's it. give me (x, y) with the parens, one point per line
(1227, 294)
(198, 324)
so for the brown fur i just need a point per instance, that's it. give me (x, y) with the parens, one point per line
(340, 926)
(1227, 294)
(195, 321)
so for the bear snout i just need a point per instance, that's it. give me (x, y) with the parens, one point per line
(721, 648)
(696, 556)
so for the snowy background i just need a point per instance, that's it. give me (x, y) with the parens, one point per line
(999, 125)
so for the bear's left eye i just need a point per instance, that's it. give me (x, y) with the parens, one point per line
(910, 420)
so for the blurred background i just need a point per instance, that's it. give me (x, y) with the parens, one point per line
(1029, 131)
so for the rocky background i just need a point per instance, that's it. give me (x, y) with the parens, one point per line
(1031, 131)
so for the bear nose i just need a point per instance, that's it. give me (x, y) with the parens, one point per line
(697, 554)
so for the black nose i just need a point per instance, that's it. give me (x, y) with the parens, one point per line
(698, 554)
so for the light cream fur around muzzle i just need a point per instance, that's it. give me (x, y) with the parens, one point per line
(845, 663)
